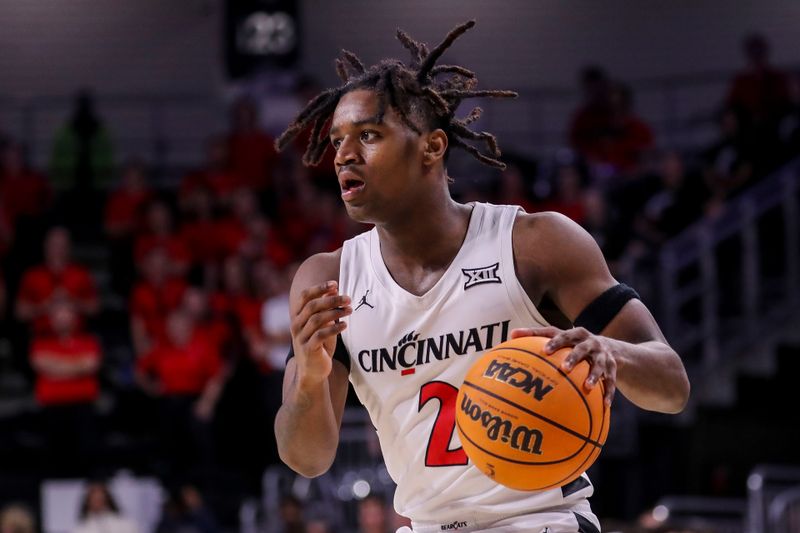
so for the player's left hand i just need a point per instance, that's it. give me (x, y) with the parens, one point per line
(597, 350)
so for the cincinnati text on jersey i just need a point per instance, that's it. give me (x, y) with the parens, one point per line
(415, 352)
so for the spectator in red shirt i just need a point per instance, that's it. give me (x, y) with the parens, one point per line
(237, 302)
(123, 218)
(159, 233)
(263, 241)
(66, 362)
(759, 94)
(25, 199)
(208, 324)
(156, 295)
(568, 196)
(183, 364)
(297, 218)
(66, 366)
(233, 230)
(623, 144)
(185, 373)
(605, 130)
(252, 153)
(24, 193)
(124, 207)
(591, 119)
(216, 175)
(6, 232)
(58, 278)
(199, 230)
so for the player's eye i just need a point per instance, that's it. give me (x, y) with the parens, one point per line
(369, 135)
(336, 143)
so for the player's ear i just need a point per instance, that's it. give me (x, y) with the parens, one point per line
(435, 146)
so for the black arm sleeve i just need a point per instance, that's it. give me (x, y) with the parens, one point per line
(604, 308)
(340, 353)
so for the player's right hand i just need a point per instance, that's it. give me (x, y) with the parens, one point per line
(314, 329)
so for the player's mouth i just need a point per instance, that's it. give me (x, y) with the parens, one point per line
(350, 184)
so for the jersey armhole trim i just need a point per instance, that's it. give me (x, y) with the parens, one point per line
(523, 305)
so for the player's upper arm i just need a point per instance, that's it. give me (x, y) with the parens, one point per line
(314, 271)
(569, 267)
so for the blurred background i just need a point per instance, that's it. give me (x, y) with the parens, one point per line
(149, 233)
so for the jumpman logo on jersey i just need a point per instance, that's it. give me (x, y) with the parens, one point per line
(477, 276)
(363, 301)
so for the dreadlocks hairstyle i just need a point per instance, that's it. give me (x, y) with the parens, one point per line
(421, 90)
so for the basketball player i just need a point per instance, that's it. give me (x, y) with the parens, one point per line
(403, 310)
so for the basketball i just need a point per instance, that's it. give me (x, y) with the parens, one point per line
(525, 422)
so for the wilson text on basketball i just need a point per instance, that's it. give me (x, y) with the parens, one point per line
(520, 437)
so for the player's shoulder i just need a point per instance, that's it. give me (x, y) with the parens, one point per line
(313, 272)
(318, 268)
(550, 247)
(549, 230)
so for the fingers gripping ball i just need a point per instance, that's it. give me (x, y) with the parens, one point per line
(526, 423)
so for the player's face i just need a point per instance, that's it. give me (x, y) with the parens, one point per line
(378, 164)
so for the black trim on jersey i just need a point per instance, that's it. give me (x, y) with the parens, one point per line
(584, 525)
(340, 353)
(604, 308)
(574, 486)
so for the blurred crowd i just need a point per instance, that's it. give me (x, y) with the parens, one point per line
(185, 511)
(150, 325)
(176, 313)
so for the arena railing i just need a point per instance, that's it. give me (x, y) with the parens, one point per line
(703, 513)
(732, 279)
(784, 512)
(357, 471)
(773, 499)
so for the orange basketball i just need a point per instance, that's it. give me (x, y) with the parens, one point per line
(526, 423)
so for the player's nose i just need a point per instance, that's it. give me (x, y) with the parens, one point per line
(347, 153)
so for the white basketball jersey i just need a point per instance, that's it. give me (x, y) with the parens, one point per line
(409, 354)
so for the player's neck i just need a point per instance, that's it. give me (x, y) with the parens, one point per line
(429, 237)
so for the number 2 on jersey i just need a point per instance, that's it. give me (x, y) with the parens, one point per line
(438, 452)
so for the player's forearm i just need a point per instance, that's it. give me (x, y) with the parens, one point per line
(651, 375)
(306, 429)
